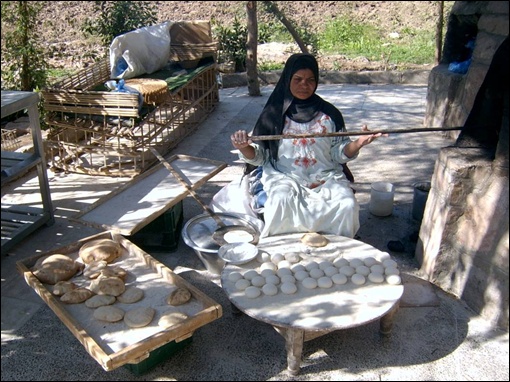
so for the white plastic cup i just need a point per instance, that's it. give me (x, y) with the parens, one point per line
(381, 198)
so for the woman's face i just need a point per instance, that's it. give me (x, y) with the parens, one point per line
(303, 84)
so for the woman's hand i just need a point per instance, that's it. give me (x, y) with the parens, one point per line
(364, 140)
(240, 139)
(355, 146)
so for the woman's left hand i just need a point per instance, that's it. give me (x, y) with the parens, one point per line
(364, 140)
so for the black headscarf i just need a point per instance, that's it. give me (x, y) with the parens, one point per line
(281, 103)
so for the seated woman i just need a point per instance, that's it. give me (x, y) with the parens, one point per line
(307, 190)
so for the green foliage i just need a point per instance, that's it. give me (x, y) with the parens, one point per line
(118, 17)
(345, 37)
(24, 65)
(232, 43)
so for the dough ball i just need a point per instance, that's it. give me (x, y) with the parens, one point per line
(311, 265)
(391, 271)
(347, 270)
(249, 275)
(325, 264)
(102, 249)
(130, 295)
(284, 264)
(377, 268)
(276, 258)
(258, 281)
(76, 296)
(108, 313)
(301, 275)
(63, 287)
(252, 292)
(139, 317)
(369, 261)
(355, 263)
(310, 283)
(268, 265)
(242, 284)
(272, 279)
(390, 263)
(263, 257)
(235, 276)
(340, 262)
(288, 279)
(113, 286)
(363, 270)
(316, 273)
(267, 272)
(269, 289)
(376, 278)
(325, 282)
(171, 318)
(93, 269)
(54, 268)
(288, 288)
(100, 300)
(297, 267)
(339, 278)
(292, 257)
(358, 279)
(283, 272)
(313, 239)
(393, 279)
(330, 271)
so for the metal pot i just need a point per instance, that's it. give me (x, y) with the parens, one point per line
(197, 234)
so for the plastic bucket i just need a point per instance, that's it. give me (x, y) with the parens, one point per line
(381, 198)
(421, 193)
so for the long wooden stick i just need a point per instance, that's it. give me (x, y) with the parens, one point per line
(348, 133)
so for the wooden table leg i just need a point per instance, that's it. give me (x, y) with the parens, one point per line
(386, 322)
(294, 339)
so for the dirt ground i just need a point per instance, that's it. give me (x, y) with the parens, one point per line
(71, 49)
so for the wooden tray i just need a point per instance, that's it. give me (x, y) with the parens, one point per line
(115, 344)
(132, 206)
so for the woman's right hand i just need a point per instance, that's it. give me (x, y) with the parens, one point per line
(240, 139)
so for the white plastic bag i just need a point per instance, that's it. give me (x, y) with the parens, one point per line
(144, 50)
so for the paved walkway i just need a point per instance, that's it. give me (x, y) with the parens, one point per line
(435, 337)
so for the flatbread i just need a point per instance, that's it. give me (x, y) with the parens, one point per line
(179, 296)
(76, 296)
(108, 313)
(54, 268)
(102, 249)
(112, 286)
(63, 287)
(139, 317)
(314, 239)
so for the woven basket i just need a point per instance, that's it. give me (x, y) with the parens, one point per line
(154, 91)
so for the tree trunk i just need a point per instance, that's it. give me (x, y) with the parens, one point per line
(273, 8)
(251, 49)
(439, 32)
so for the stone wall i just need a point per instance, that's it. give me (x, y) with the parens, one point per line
(463, 243)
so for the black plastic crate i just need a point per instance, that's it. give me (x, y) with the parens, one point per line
(163, 233)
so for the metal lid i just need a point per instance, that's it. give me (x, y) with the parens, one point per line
(198, 231)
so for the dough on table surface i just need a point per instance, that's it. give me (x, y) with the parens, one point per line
(76, 296)
(101, 249)
(235, 276)
(113, 286)
(130, 295)
(63, 287)
(325, 282)
(94, 268)
(139, 317)
(100, 300)
(358, 279)
(108, 313)
(310, 283)
(179, 296)
(54, 268)
(288, 288)
(314, 239)
(376, 277)
(258, 281)
(269, 289)
(242, 284)
(339, 278)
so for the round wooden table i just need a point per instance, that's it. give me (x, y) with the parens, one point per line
(310, 313)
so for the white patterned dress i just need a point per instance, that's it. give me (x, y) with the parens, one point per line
(308, 192)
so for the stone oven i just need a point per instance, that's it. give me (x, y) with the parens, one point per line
(463, 241)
